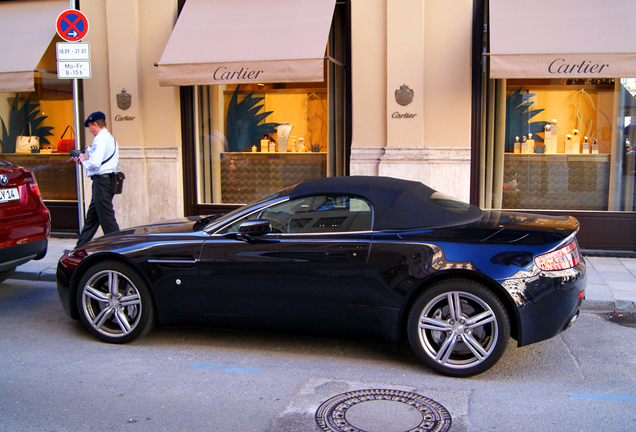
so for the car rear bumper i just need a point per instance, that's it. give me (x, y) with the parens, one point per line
(552, 304)
(24, 239)
(19, 254)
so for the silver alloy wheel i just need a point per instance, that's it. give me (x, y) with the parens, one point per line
(111, 303)
(458, 330)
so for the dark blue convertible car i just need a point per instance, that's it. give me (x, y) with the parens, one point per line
(371, 256)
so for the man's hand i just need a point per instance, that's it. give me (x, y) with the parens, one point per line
(81, 158)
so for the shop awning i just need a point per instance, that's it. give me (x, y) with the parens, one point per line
(562, 39)
(26, 30)
(247, 41)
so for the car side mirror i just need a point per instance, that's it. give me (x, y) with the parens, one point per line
(255, 227)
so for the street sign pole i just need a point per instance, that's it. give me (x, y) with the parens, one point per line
(79, 175)
(73, 35)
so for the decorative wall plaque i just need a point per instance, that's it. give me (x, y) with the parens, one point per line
(124, 99)
(404, 95)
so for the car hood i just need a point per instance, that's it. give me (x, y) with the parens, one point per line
(181, 225)
(173, 226)
(130, 238)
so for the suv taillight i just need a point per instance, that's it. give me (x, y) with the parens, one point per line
(35, 189)
(560, 259)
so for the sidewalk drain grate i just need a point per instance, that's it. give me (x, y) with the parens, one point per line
(381, 410)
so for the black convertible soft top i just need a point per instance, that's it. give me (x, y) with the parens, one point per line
(398, 204)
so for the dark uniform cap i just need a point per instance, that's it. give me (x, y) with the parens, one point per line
(97, 115)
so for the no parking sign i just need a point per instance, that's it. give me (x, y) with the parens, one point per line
(73, 59)
(72, 25)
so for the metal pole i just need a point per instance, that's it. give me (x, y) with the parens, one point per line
(78, 127)
(78, 168)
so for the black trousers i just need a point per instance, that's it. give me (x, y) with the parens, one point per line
(100, 211)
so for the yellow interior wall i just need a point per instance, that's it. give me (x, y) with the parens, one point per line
(59, 115)
(307, 112)
(587, 110)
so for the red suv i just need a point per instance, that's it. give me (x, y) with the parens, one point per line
(25, 222)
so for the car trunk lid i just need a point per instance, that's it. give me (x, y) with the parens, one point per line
(526, 228)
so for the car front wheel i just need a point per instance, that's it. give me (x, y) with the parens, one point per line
(114, 303)
(458, 328)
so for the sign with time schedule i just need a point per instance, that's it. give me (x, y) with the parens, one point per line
(73, 51)
(73, 60)
(73, 69)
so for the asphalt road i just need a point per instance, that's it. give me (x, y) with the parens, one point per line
(55, 377)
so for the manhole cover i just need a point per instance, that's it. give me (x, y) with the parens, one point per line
(382, 411)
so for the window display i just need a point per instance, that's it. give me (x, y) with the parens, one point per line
(256, 139)
(566, 146)
(36, 126)
(33, 126)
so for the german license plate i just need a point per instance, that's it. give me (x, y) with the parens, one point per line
(7, 195)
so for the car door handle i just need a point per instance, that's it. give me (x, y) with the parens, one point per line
(337, 254)
(174, 262)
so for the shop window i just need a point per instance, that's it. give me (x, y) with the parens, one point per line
(561, 145)
(256, 139)
(44, 113)
(252, 140)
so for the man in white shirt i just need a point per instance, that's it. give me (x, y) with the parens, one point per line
(100, 160)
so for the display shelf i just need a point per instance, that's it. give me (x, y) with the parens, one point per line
(249, 176)
(556, 181)
(55, 173)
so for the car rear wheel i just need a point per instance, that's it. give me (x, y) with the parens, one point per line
(114, 303)
(458, 328)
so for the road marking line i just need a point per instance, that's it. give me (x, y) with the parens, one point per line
(225, 368)
(603, 397)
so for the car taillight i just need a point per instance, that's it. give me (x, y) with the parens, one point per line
(561, 259)
(35, 189)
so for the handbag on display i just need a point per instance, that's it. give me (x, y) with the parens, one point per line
(24, 143)
(65, 145)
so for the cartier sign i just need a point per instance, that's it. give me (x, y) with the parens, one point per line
(554, 65)
(223, 73)
(562, 66)
(398, 115)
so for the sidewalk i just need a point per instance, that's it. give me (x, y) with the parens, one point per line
(611, 282)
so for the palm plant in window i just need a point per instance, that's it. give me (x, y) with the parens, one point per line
(244, 127)
(29, 112)
(518, 117)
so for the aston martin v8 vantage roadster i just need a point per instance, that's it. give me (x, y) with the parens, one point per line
(371, 256)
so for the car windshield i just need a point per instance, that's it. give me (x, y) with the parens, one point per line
(230, 215)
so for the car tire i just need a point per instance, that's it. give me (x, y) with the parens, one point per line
(114, 302)
(463, 340)
(6, 274)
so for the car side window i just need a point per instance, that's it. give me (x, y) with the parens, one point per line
(316, 214)
(321, 214)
